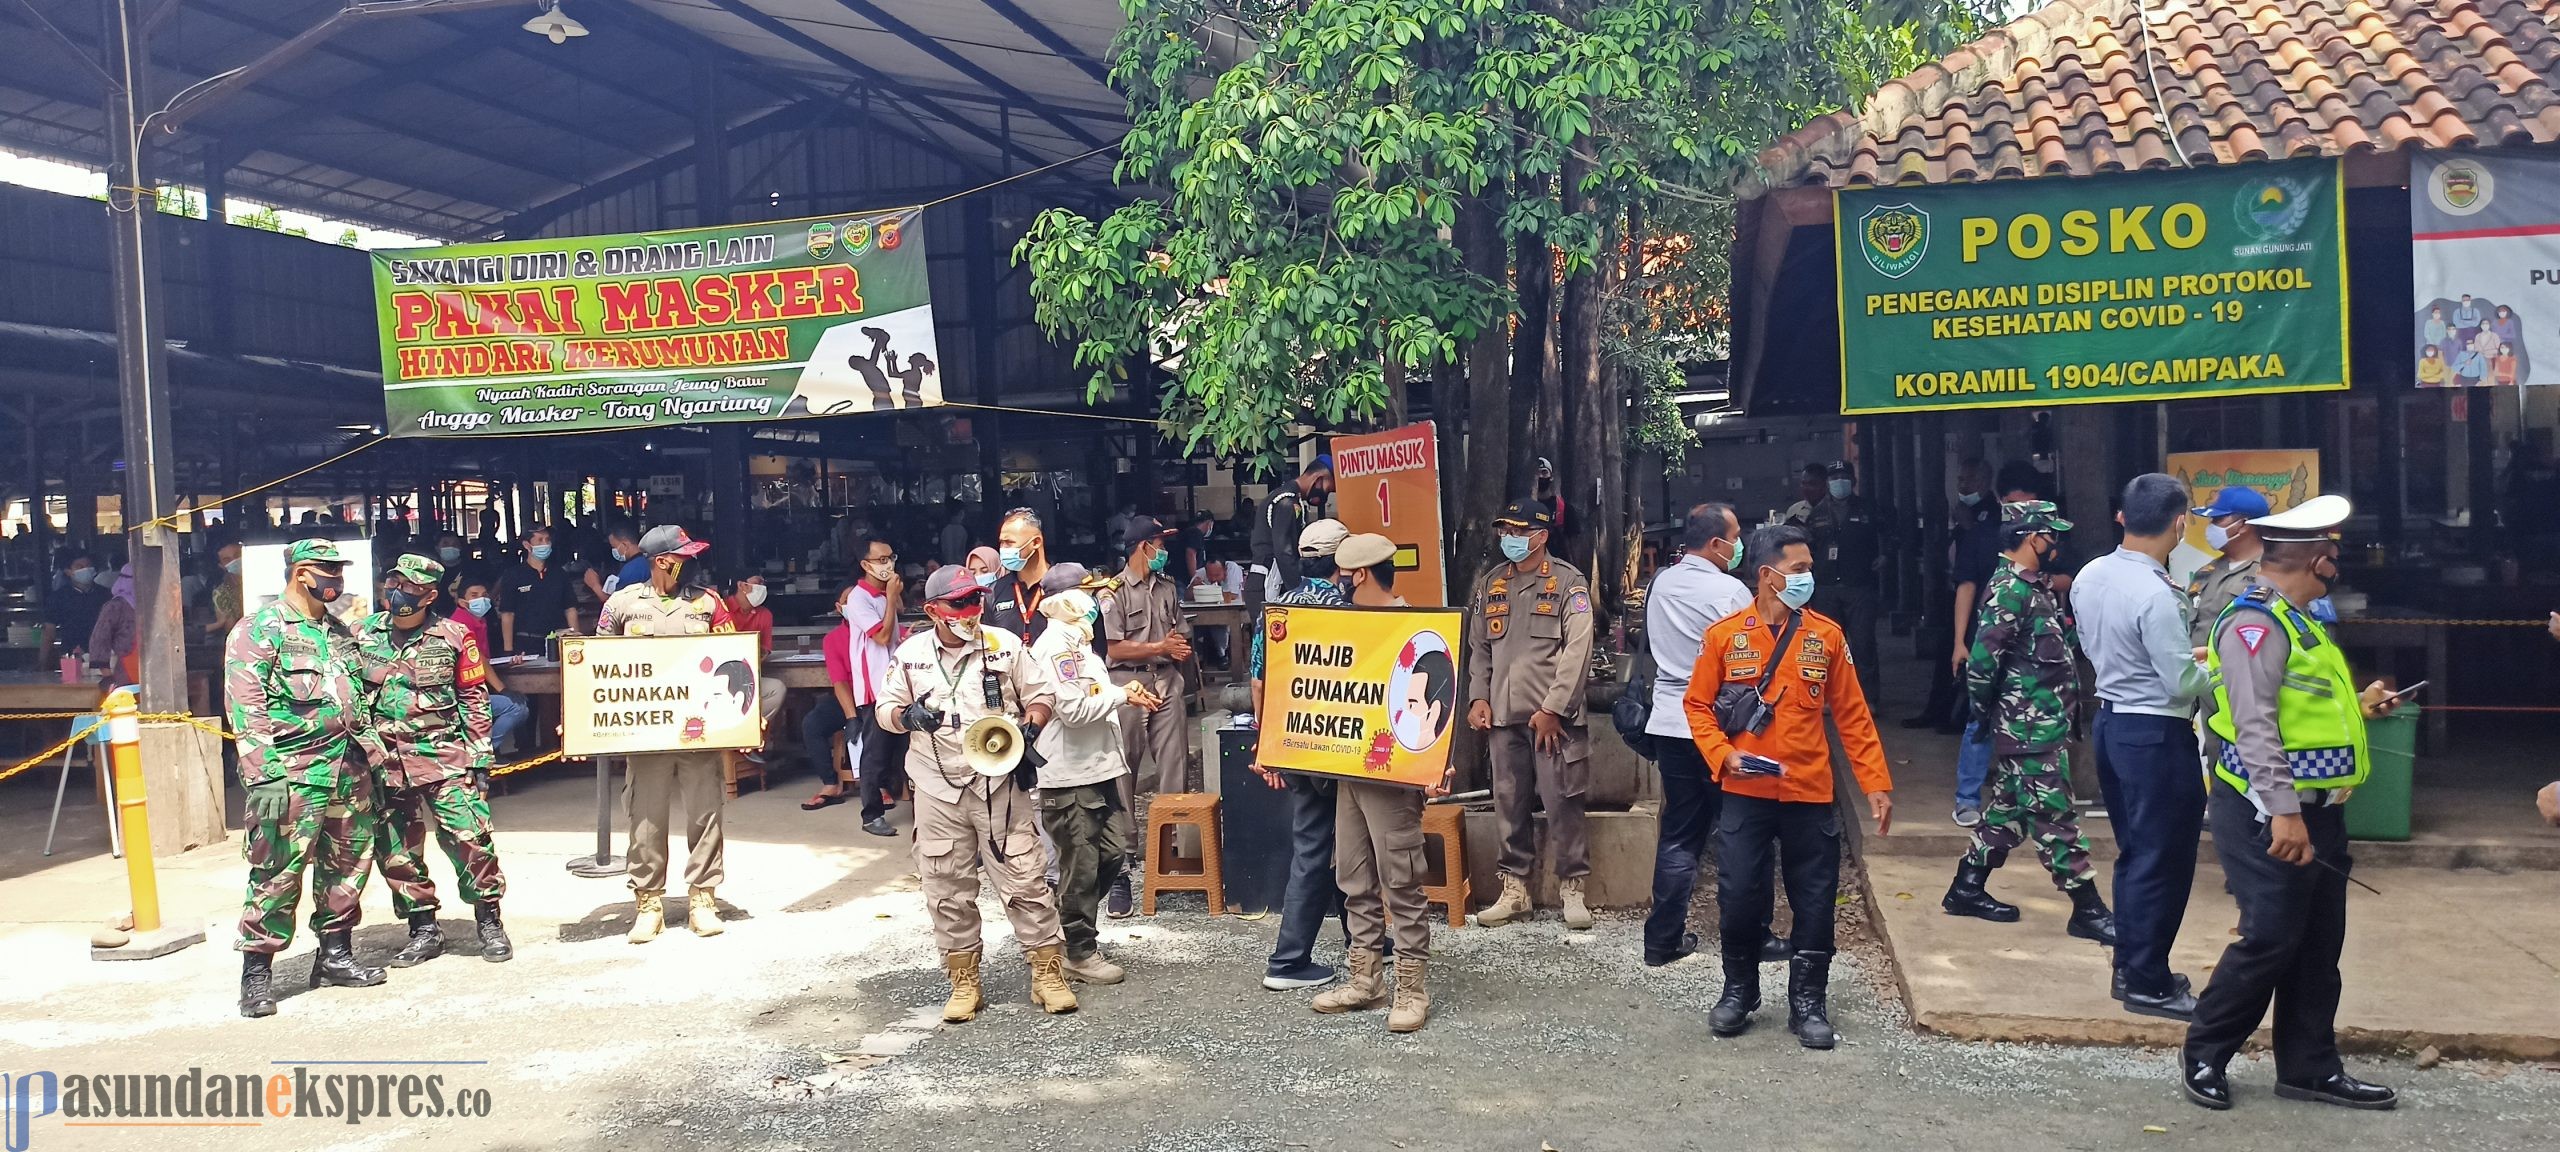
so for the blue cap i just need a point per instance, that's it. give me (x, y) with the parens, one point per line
(1324, 462)
(2235, 500)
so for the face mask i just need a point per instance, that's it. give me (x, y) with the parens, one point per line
(541, 551)
(1515, 548)
(448, 555)
(2217, 537)
(675, 571)
(2328, 580)
(1799, 590)
(327, 589)
(231, 566)
(1969, 499)
(986, 579)
(1839, 489)
(401, 601)
(964, 631)
(1733, 555)
(879, 570)
(1413, 729)
(1011, 558)
(83, 576)
(1155, 563)
(755, 595)
(619, 555)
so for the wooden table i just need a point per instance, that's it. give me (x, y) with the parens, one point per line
(45, 692)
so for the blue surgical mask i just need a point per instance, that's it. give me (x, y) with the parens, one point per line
(83, 576)
(1515, 548)
(231, 566)
(1799, 590)
(1011, 559)
(1839, 489)
(479, 605)
(1733, 557)
(619, 555)
(448, 555)
(1155, 563)
(986, 579)
(1969, 498)
(540, 551)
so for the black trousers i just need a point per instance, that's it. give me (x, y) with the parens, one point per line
(1804, 840)
(2293, 924)
(1311, 895)
(883, 766)
(2154, 789)
(1691, 802)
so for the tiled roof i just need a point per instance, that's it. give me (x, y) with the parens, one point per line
(2069, 90)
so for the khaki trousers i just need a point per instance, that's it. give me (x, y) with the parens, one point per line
(1377, 861)
(1001, 822)
(1157, 745)
(656, 782)
(1557, 781)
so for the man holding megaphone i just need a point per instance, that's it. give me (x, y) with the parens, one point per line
(975, 700)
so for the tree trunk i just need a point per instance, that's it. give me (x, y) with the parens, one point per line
(1533, 376)
(1484, 483)
(1580, 476)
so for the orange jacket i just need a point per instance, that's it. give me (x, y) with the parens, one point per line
(1814, 674)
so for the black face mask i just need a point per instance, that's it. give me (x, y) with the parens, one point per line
(2329, 580)
(401, 601)
(327, 588)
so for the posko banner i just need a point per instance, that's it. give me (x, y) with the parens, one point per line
(625, 694)
(2485, 237)
(1363, 693)
(1389, 483)
(763, 321)
(2216, 282)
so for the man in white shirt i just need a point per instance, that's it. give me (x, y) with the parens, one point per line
(1080, 780)
(1686, 598)
(2133, 625)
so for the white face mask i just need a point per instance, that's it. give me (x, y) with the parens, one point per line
(755, 596)
(964, 631)
(2217, 537)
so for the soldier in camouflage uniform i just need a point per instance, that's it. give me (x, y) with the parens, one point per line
(426, 694)
(2024, 680)
(290, 675)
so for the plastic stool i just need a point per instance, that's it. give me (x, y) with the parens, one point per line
(1166, 872)
(1445, 823)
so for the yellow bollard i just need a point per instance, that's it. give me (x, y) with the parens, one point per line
(124, 743)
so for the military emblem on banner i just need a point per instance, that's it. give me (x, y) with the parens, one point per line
(2460, 187)
(857, 237)
(892, 231)
(1278, 627)
(1894, 238)
(822, 239)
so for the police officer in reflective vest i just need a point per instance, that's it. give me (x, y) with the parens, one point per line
(2293, 747)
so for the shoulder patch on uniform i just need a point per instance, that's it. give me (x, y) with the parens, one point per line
(1070, 667)
(2252, 636)
(1580, 605)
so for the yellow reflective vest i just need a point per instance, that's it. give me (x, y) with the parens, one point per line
(2317, 710)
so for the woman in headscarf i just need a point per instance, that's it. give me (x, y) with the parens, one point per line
(983, 565)
(115, 641)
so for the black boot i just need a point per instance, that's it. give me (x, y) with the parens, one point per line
(1732, 1014)
(2090, 919)
(336, 963)
(1775, 950)
(257, 984)
(1965, 897)
(1809, 1000)
(426, 941)
(494, 945)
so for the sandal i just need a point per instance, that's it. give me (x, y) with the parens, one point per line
(823, 800)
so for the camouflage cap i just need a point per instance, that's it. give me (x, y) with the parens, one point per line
(312, 551)
(418, 569)
(2033, 516)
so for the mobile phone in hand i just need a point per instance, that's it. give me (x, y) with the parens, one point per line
(1750, 764)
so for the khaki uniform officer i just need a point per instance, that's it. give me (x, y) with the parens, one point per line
(1528, 658)
(940, 683)
(1142, 628)
(668, 603)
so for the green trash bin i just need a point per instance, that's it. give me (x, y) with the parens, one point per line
(2380, 809)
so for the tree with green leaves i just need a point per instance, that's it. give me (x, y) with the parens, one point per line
(1518, 205)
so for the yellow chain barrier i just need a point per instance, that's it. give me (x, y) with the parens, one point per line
(192, 721)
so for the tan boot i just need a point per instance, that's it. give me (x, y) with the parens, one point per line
(648, 916)
(1513, 904)
(1413, 1001)
(1577, 915)
(703, 914)
(1363, 989)
(1048, 981)
(966, 999)
(1094, 969)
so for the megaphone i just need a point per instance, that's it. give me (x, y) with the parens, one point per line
(992, 745)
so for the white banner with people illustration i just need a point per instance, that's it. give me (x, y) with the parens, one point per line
(2486, 231)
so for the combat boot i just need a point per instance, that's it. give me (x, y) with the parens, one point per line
(703, 914)
(1965, 897)
(1363, 989)
(648, 915)
(2090, 919)
(1095, 968)
(1048, 981)
(257, 984)
(1512, 905)
(1732, 1014)
(426, 941)
(1809, 1000)
(1577, 915)
(494, 945)
(1413, 1001)
(336, 963)
(966, 999)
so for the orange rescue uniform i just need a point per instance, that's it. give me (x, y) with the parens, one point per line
(1813, 673)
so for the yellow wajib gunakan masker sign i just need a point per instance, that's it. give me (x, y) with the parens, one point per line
(1363, 693)
(627, 694)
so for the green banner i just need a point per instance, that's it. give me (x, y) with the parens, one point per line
(2148, 286)
(768, 321)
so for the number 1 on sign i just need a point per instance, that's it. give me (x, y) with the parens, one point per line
(1386, 513)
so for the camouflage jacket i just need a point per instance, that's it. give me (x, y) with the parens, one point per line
(291, 682)
(2023, 674)
(426, 694)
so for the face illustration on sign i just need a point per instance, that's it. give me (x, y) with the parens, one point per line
(1424, 692)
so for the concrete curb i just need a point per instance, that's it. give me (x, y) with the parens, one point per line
(2144, 1032)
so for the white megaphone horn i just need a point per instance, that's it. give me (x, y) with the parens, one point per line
(992, 745)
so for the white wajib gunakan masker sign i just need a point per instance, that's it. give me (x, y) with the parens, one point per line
(627, 694)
